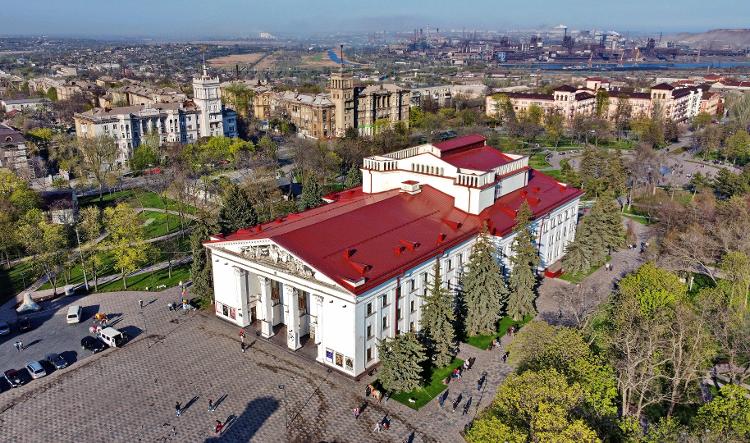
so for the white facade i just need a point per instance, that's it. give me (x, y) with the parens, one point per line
(259, 282)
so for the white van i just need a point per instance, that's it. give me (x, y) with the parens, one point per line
(112, 337)
(74, 314)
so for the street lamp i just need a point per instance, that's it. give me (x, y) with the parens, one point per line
(286, 412)
(83, 265)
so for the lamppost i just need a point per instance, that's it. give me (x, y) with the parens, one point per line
(286, 412)
(83, 266)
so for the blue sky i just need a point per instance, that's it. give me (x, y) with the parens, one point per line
(199, 18)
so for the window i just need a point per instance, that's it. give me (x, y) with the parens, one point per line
(413, 306)
(398, 314)
(369, 331)
(449, 265)
(424, 279)
(384, 300)
(369, 308)
(411, 285)
(302, 303)
(411, 327)
(385, 322)
(369, 354)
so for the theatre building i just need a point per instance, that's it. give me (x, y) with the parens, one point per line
(332, 281)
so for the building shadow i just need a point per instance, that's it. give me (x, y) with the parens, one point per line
(243, 428)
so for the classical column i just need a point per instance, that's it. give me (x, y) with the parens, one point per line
(291, 312)
(318, 325)
(243, 289)
(265, 313)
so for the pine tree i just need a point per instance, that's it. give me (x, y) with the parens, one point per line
(437, 320)
(353, 178)
(200, 269)
(311, 194)
(402, 361)
(577, 256)
(524, 262)
(484, 291)
(236, 211)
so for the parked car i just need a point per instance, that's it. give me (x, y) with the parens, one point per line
(57, 361)
(24, 324)
(4, 328)
(35, 369)
(112, 337)
(17, 377)
(92, 344)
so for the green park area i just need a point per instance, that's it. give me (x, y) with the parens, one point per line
(421, 396)
(484, 341)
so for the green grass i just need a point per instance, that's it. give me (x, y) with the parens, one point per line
(636, 215)
(138, 198)
(539, 161)
(432, 389)
(163, 224)
(484, 341)
(17, 278)
(150, 280)
(554, 173)
(578, 277)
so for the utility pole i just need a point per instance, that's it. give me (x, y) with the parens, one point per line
(83, 266)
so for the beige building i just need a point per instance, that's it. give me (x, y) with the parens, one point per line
(566, 100)
(312, 115)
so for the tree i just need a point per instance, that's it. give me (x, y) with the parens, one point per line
(623, 113)
(144, 157)
(353, 178)
(125, 240)
(311, 194)
(602, 103)
(726, 417)
(577, 258)
(554, 126)
(702, 120)
(90, 224)
(738, 146)
(484, 291)
(437, 320)
(524, 261)
(97, 156)
(46, 241)
(236, 211)
(200, 269)
(402, 360)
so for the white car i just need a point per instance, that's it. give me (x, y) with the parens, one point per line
(35, 369)
(4, 328)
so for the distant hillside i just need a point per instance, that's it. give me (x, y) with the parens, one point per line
(716, 38)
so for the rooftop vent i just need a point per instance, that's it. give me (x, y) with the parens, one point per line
(411, 187)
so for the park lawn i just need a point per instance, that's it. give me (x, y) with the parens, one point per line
(137, 198)
(484, 341)
(636, 215)
(539, 161)
(577, 278)
(162, 223)
(17, 278)
(554, 173)
(432, 389)
(150, 280)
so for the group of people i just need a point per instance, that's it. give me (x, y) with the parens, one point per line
(211, 408)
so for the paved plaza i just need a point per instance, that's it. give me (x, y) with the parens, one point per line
(129, 394)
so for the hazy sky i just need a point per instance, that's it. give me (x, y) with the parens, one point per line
(199, 18)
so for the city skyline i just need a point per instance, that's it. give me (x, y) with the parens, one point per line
(237, 18)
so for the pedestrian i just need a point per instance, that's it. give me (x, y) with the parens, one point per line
(242, 335)
(20, 345)
(210, 405)
(356, 412)
(17, 345)
(378, 427)
(442, 398)
(368, 390)
(219, 426)
(174, 431)
(505, 357)
(140, 304)
(177, 409)
(457, 402)
(242, 347)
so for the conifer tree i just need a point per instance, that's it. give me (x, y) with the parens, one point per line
(402, 361)
(577, 256)
(353, 178)
(524, 262)
(484, 291)
(311, 194)
(237, 211)
(437, 320)
(200, 269)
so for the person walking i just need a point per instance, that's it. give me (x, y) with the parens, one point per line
(356, 412)
(20, 345)
(242, 335)
(177, 409)
(210, 405)
(378, 427)
(17, 345)
(242, 347)
(442, 398)
(140, 304)
(219, 427)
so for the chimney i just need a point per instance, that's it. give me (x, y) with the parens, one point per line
(411, 187)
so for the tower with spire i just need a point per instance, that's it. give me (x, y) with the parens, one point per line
(208, 101)
(341, 86)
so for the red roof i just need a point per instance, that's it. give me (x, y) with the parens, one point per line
(480, 159)
(463, 143)
(378, 236)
